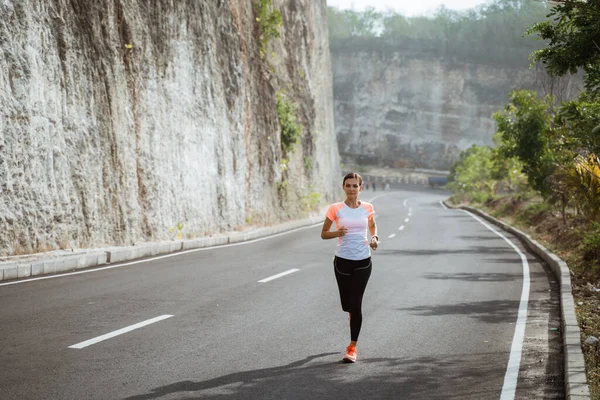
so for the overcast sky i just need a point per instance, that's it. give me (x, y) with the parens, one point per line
(405, 7)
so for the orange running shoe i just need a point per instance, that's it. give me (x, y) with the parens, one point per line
(351, 354)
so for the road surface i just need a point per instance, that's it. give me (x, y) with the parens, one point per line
(262, 320)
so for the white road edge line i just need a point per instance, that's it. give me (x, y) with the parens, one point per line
(443, 205)
(118, 332)
(291, 271)
(393, 235)
(401, 227)
(514, 362)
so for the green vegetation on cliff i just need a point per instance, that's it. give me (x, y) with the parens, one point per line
(288, 122)
(269, 22)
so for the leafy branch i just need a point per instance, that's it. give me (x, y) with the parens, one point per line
(269, 22)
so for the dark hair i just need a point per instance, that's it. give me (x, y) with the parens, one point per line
(353, 175)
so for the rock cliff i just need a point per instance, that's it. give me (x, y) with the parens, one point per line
(406, 105)
(131, 120)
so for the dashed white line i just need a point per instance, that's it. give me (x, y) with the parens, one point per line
(118, 332)
(291, 271)
(401, 227)
(410, 214)
(407, 219)
(393, 235)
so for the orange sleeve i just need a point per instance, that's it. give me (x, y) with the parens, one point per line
(332, 211)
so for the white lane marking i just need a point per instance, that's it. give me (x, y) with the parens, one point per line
(443, 205)
(393, 235)
(401, 227)
(514, 362)
(118, 332)
(407, 219)
(291, 271)
(161, 257)
(405, 202)
(410, 210)
(410, 214)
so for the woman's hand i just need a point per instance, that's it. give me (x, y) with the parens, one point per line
(374, 242)
(342, 230)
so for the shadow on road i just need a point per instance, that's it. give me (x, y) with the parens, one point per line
(451, 377)
(435, 252)
(493, 311)
(483, 276)
(479, 237)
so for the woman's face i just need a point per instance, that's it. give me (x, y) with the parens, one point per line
(352, 188)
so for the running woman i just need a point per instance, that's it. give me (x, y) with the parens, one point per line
(352, 261)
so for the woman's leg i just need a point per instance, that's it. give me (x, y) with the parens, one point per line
(360, 278)
(343, 276)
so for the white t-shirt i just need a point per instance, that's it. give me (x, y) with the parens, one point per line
(354, 245)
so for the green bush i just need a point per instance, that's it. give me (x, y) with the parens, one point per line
(290, 128)
(473, 173)
(590, 245)
(479, 197)
(308, 163)
(311, 201)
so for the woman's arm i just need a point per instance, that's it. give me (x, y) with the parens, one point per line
(326, 234)
(373, 229)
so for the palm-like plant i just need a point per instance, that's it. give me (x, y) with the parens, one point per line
(588, 170)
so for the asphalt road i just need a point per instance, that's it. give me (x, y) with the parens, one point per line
(440, 316)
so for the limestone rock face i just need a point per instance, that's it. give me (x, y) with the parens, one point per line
(122, 119)
(408, 108)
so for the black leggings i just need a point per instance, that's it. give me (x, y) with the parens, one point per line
(352, 277)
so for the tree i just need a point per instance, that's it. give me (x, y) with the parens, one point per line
(338, 28)
(577, 121)
(524, 130)
(395, 25)
(472, 173)
(573, 35)
(347, 23)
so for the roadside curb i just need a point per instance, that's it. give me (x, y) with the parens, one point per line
(44, 264)
(576, 385)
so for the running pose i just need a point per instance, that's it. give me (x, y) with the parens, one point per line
(352, 261)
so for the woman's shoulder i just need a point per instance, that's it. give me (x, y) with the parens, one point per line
(337, 205)
(367, 206)
(333, 209)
